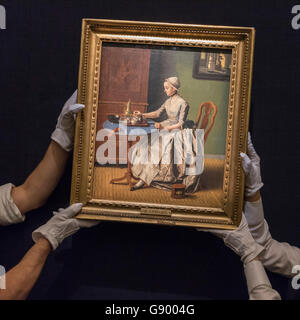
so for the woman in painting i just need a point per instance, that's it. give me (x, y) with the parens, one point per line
(173, 149)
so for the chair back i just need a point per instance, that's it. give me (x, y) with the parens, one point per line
(204, 119)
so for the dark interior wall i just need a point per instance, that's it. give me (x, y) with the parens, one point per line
(39, 57)
(162, 66)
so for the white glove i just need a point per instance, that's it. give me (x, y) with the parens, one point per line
(65, 127)
(259, 286)
(251, 166)
(278, 257)
(62, 225)
(9, 212)
(242, 243)
(239, 240)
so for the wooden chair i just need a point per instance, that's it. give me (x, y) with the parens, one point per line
(205, 109)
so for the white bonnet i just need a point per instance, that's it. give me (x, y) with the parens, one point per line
(174, 82)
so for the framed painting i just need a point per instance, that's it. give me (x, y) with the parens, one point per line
(212, 65)
(160, 137)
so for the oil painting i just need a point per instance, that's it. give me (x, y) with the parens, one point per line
(166, 117)
(180, 141)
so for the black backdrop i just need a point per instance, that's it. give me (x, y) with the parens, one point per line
(39, 58)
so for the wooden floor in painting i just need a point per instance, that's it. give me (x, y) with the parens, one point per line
(210, 195)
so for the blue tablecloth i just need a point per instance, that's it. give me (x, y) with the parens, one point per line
(130, 130)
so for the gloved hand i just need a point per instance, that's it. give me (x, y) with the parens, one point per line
(242, 243)
(62, 225)
(279, 257)
(251, 166)
(65, 127)
(239, 240)
(259, 286)
(255, 218)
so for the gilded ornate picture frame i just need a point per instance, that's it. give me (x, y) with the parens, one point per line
(144, 104)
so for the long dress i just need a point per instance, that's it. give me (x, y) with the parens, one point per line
(164, 157)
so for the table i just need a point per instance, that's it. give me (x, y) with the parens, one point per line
(123, 129)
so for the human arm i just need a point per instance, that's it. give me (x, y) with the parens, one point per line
(153, 114)
(279, 257)
(34, 192)
(42, 181)
(182, 115)
(170, 128)
(243, 244)
(21, 278)
(258, 284)
(158, 125)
